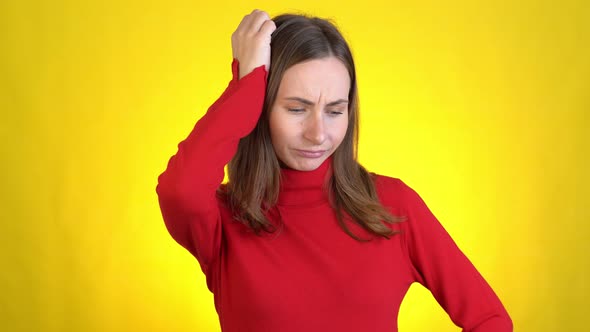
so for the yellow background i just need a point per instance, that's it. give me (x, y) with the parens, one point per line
(482, 107)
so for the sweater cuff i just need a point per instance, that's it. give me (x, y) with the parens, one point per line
(235, 68)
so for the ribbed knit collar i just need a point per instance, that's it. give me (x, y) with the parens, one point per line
(305, 187)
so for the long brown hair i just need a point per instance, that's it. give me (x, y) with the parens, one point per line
(254, 171)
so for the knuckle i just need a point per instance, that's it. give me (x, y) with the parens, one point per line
(270, 23)
(261, 14)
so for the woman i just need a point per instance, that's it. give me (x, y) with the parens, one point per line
(303, 238)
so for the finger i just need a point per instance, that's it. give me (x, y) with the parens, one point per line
(257, 19)
(267, 28)
(245, 22)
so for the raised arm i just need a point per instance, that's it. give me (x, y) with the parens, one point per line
(187, 188)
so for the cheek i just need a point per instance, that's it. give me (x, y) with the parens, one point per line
(279, 130)
(341, 129)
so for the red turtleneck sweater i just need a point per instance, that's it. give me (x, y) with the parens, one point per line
(311, 276)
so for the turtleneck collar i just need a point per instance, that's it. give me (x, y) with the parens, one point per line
(305, 187)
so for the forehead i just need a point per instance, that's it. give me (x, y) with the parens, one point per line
(316, 79)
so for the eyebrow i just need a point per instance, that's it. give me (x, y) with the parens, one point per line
(307, 102)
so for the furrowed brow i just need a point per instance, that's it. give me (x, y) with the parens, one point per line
(337, 102)
(310, 103)
(301, 100)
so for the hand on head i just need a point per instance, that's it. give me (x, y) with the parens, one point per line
(251, 41)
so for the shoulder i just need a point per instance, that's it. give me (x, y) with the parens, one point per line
(388, 183)
(391, 191)
(389, 187)
(394, 193)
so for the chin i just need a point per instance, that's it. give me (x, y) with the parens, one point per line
(304, 164)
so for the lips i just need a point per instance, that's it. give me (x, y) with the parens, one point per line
(311, 153)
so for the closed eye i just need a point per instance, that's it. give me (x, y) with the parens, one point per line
(295, 110)
(334, 113)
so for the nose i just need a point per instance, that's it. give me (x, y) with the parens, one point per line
(315, 130)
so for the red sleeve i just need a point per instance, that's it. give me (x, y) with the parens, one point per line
(441, 266)
(187, 188)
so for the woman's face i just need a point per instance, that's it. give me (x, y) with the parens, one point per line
(309, 118)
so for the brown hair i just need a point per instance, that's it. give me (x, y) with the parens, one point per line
(254, 171)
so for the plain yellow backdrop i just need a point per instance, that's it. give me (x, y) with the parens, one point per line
(481, 106)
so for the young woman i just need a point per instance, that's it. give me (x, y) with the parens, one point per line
(302, 237)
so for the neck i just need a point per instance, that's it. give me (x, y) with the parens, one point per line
(305, 187)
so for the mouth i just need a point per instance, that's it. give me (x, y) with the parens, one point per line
(310, 153)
